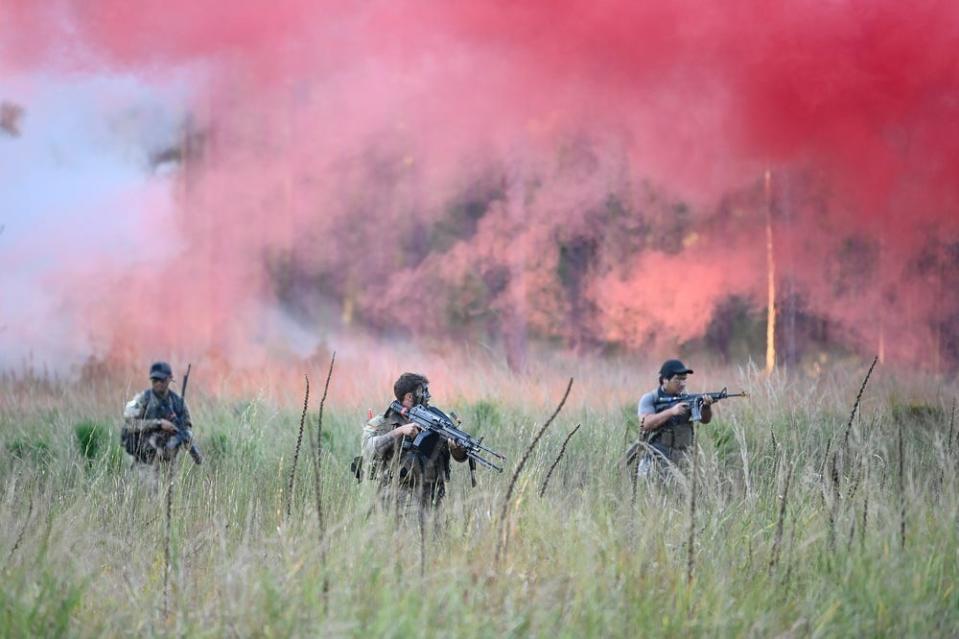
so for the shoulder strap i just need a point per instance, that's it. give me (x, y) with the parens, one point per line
(145, 402)
(176, 404)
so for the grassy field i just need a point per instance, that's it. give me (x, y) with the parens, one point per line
(863, 543)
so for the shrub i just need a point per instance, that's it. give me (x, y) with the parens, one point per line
(93, 439)
(33, 450)
(918, 413)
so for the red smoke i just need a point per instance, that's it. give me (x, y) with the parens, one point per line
(555, 169)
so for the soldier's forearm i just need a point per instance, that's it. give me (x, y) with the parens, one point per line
(377, 445)
(653, 421)
(382, 444)
(141, 425)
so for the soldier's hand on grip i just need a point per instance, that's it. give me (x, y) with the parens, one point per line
(407, 430)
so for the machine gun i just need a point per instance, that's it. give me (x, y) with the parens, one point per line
(694, 400)
(430, 420)
(183, 434)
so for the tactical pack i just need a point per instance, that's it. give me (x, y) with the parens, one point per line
(143, 446)
(356, 469)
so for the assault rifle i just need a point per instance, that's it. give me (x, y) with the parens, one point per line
(183, 434)
(430, 419)
(694, 401)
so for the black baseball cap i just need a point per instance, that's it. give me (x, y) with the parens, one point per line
(673, 367)
(160, 370)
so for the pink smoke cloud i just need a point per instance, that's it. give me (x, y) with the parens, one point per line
(438, 168)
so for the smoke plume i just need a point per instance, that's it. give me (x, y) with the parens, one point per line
(588, 174)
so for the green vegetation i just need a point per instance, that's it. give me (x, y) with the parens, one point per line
(82, 537)
(92, 438)
(32, 449)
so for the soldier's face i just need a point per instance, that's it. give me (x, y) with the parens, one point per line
(423, 395)
(675, 385)
(160, 386)
(420, 396)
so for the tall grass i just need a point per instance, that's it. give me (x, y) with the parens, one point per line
(771, 534)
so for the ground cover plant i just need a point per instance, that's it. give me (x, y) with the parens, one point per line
(797, 518)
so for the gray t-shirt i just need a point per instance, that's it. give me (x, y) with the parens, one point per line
(647, 404)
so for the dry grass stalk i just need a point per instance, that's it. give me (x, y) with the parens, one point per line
(317, 448)
(787, 580)
(562, 451)
(855, 406)
(23, 530)
(835, 477)
(781, 520)
(775, 443)
(865, 518)
(852, 533)
(822, 471)
(841, 451)
(857, 479)
(296, 450)
(833, 512)
(503, 537)
(902, 492)
(166, 547)
(952, 423)
(691, 540)
(421, 517)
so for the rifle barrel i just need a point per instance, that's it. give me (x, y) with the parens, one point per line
(490, 451)
(186, 379)
(485, 462)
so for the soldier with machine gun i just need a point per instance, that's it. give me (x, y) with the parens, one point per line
(409, 447)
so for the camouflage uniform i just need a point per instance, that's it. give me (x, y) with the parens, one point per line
(418, 477)
(142, 436)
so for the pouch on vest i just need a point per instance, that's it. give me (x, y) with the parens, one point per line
(138, 446)
(356, 468)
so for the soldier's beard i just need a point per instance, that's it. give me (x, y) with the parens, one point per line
(423, 396)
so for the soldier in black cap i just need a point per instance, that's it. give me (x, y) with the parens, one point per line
(151, 418)
(668, 433)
